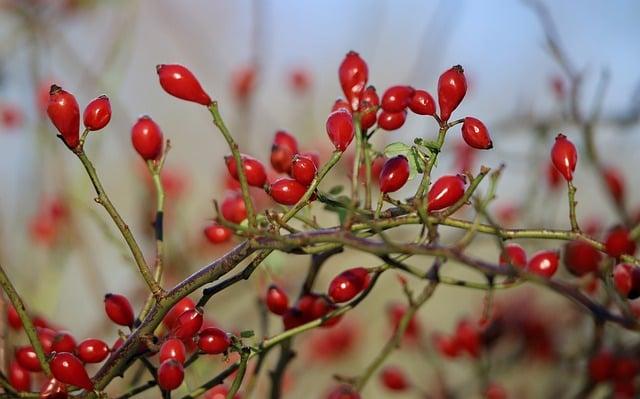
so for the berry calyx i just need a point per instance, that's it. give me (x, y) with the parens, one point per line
(513, 254)
(564, 156)
(97, 113)
(341, 105)
(277, 300)
(446, 191)
(581, 258)
(346, 285)
(303, 169)
(340, 129)
(353, 74)
(394, 379)
(188, 324)
(217, 234)
(452, 87)
(213, 341)
(544, 263)
(178, 81)
(618, 242)
(233, 208)
(170, 374)
(397, 98)
(173, 348)
(284, 147)
(391, 120)
(68, 369)
(422, 103)
(93, 350)
(394, 174)
(286, 191)
(147, 138)
(119, 309)
(64, 112)
(476, 134)
(253, 170)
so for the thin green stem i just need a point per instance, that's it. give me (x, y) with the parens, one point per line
(367, 175)
(379, 206)
(242, 368)
(572, 207)
(356, 160)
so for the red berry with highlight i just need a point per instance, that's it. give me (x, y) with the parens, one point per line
(217, 234)
(213, 341)
(581, 258)
(452, 87)
(97, 114)
(178, 81)
(253, 170)
(68, 369)
(64, 112)
(394, 174)
(513, 254)
(119, 309)
(397, 98)
(12, 318)
(303, 169)
(277, 300)
(476, 134)
(284, 147)
(27, 359)
(233, 208)
(286, 191)
(353, 74)
(93, 350)
(340, 129)
(147, 138)
(346, 285)
(173, 348)
(391, 120)
(19, 377)
(188, 324)
(564, 156)
(170, 374)
(63, 342)
(369, 107)
(182, 306)
(394, 379)
(422, 103)
(446, 191)
(544, 263)
(618, 242)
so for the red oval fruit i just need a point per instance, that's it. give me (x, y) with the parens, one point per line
(286, 191)
(119, 309)
(452, 87)
(303, 169)
(27, 359)
(13, 318)
(369, 108)
(346, 285)
(170, 375)
(253, 170)
(53, 389)
(63, 342)
(394, 379)
(564, 156)
(513, 254)
(284, 147)
(615, 183)
(422, 103)
(618, 242)
(292, 319)
(217, 234)
(446, 191)
(233, 208)
(178, 81)
(213, 341)
(19, 377)
(397, 98)
(93, 350)
(173, 348)
(626, 278)
(476, 134)
(394, 174)
(581, 258)
(172, 316)
(188, 324)
(68, 369)
(353, 74)
(601, 366)
(147, 138)
(277, 300)
(544, 263)
(97, 114)
(46, 337)
(321, 307)
(391, 120)
(64, 112)
(340, 129)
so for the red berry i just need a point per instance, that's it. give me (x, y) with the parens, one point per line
(626, 278)
(625, 368)
(46, 337)
(618, 242)
(53, 389)
(173, 348)
(581, 258)
(253, 170)
(341, 105)
(27, 359)
(305, 305)
(340, 129)
(63, 342)
(447, 346)
(495, 391)
(394, 379)
(468, 337)
(213, 341)
(601, 366)
(313, 156)
(284, 147)
(396, 312)
(564, 156)
(233, 208)
(397, 98)
(343, 392)
(147, 138)
(452, 87)
(13, 319)
(476, 134)
(179, 82)
(219, 392)
(293, 318)
(243, 82)
(445, 192)
(303, 169)
(321, 307)
(544, 263)
(353, 74)
(64, 112)
(188, 324)
(172, 316)
(368, 107)
(615, 183)
(513, 254)
(422, 103)
(217, 234)
(19, 377)
(170, 374)
(391, 120)
(277, 300)
(93, 350)
(394, 174)
(119, 309)
(97, 114)
(286, 191)
(554, 178)
(68, 369)
(346, 285)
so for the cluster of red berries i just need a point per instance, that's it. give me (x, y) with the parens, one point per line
(617, 369)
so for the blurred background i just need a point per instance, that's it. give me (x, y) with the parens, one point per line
(273, 65)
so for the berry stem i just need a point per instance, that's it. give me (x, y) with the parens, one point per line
(379, 206)
(29, 328)
(356, 159)
(367, 174)
(242, 368)
(572, 207)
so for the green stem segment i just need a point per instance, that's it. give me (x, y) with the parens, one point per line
(572, 207)
(242, 368)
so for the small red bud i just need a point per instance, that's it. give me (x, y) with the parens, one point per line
(97, 114)
(475, 133)
(564, 156)
(64, 112)
(452, 87)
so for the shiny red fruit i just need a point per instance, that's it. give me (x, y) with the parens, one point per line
(601, 366)
(277, 300)
(615, 184)
(513, 254)
(173, 348)
(394, 379)
(46, 337)
(27, 359)
(213, 341)
(391, 120)
(320, 307)
(340, 129)
(284, 147)
(303, 170)
(422, 103)
(476, 134)
(397, 98)
(394, 174)
(452, 87)
(353, 74)
(97, 114)
(626, 278)
(467, 337)
(346, 285)
(253, 170)
(312, 155)
(343, 392)
(178, 81)
(293, 318)
(170, 374)
(92, 350)
(564, 156)
(13, 319)
(233, 208)
(447, 346)
(172, 316)
(147, 138)
(544, 263)
(53, 389)
(369, 108)
(581, 258)
(618, 242)
(119, 309)
(286, 191)
(68, 369)
(63, 342)
(446, 191)
(188, 324)
(64, 112)
(19, 377)
(217, 234)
